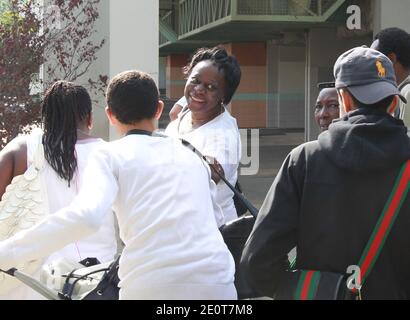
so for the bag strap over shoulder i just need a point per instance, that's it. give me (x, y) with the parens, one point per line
(385, 223)
(240, 196)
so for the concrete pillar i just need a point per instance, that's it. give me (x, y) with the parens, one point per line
(175, 79)
(391, 14)
(134, 40)
(249, 104)
(162, 78)
(273, 70)
(101, 67)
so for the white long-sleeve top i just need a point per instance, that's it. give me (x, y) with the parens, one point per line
(173, 248)
(220, 139)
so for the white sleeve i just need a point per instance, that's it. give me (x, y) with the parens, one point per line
(182, 102)
(218, 213)
(81, 218)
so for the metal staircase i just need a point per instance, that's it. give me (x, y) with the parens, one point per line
(196, 16)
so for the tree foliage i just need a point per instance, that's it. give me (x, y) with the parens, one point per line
(57, 36)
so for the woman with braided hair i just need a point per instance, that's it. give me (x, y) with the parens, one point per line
(66, 120)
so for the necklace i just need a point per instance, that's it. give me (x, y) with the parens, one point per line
(199, 122)
(186, 124)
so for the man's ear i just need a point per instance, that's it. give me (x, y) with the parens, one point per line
(346, 101)
(393, 105)
(90, 121)
(160, 108)
(393, 57)
(113, 120)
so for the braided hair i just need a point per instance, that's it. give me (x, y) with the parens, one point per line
(225, 62)
(64, 106)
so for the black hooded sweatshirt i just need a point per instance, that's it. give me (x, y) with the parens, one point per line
(326, 200)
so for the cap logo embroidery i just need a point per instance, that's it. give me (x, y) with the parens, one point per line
(381, 69)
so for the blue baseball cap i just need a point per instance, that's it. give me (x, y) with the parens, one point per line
(367, 73)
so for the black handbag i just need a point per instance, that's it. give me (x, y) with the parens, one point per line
(239, 206)
(313, 285)
(324, 285)
(236, 232)
(107, 288)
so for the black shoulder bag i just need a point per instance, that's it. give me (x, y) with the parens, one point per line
(324, 285)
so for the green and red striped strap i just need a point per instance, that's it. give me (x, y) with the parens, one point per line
(307, 285)
(309, 279)
(385, 222)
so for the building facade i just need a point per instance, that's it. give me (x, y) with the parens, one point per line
(284, 47)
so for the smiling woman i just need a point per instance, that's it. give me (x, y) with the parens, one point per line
(213, 77)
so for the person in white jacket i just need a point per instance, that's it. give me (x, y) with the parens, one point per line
(66, 121)
(173, 248)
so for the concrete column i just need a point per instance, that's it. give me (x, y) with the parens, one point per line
(249, 104)
(175, 79)
(273, 70)
(133, 42)
(101, 67)
(391, 14)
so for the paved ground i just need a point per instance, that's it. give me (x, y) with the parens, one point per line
(274, 147)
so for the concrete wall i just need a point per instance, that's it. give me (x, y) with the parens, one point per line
(175, 78)
(134, 29)
(249, 104)
(391, 14)
(162, 76)
(101, 67)
(286, 85)
(130, 29)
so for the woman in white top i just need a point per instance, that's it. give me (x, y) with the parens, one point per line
(67, 120)
(213, 77)
(160, 192)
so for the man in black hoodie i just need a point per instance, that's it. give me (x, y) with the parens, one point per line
(329, 193)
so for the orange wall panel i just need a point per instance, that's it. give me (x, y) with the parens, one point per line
(249, 114)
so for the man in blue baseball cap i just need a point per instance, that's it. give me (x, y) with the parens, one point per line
(330, 193)
(367, 77)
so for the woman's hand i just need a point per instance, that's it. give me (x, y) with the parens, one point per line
(215, 166)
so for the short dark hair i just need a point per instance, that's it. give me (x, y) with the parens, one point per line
(223, 61)
(132, 96)
(383, 104)
(395, 40)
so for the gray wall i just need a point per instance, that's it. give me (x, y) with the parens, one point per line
(391, 14)
(286, 85)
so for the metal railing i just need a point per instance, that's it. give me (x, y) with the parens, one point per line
(284, 7)
(168, 19)
(195, 14)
